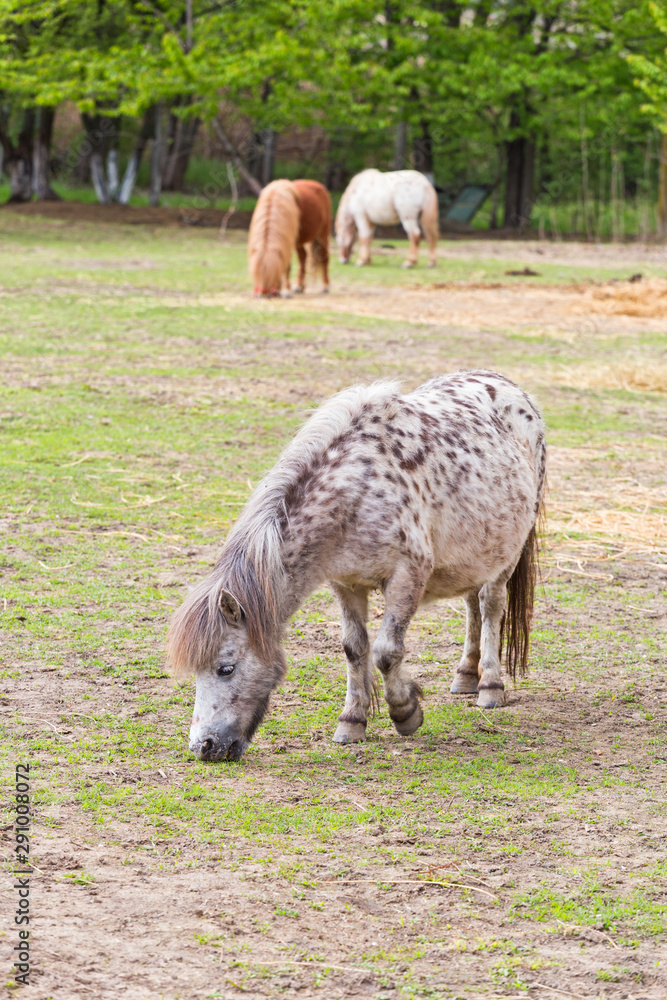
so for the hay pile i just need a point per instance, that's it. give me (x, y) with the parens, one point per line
(625, 512)
(635, 375)
(645, 298)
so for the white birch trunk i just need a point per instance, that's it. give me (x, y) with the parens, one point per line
(98, 178)
(112, 174)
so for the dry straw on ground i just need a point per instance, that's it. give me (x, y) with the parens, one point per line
(625, 511)
(646, 298)
(634, 375)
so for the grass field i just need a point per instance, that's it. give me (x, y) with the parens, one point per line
(494, 854)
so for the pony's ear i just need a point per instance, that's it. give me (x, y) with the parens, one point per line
(230, 607)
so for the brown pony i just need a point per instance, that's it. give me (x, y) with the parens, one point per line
(288, 215)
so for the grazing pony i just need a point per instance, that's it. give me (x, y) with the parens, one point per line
(422, 496)
(375, 199)
(288, 215)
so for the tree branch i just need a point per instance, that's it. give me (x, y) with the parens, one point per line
(233, 154)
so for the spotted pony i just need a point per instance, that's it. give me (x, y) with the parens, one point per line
(434, 494)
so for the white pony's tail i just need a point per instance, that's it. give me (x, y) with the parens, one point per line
(429, 219)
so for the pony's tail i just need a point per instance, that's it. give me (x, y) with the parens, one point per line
(516, 622)
(428, 218)
(320, 252)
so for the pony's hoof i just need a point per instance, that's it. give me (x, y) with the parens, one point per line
(464, 684)
(285, 295)
(325, 290)
(299, 290)
(407, 264)
(410, 725)
(343, 260)
(350, 732)
(491, 697)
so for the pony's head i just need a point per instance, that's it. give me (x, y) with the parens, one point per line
(346, 233)
(235, 669)
(274, 228)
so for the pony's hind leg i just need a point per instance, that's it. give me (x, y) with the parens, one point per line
(467, 672)
(321, 258)
(301, 280)
(354, 613)
(412, 229)
(492, 602)
(403, 593)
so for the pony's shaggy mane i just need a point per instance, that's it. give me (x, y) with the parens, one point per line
(250, 565)
(274, 228)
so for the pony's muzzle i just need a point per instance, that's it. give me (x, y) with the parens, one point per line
(216, 745)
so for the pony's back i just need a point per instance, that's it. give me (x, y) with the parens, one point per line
(272, 237)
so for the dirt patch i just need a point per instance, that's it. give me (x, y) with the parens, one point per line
(132, 215)
(527, 308)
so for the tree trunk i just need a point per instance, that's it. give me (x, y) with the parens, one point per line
(269, 155)
(400, 147)
(495, 197)
(254, 158)
(171, 143)
(179, 154)
(19, 162)
(156, 160)
(113, 182)
(98, 135)
(519, 179)
(423, 152)
(662, 188)
(42, 154)
(130, 176)
(98, 177)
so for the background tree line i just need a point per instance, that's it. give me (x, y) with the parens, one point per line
(546, 101)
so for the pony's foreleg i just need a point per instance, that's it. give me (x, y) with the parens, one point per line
(286, 290)
(364, 251)
(301, 280)
(466, 676)
(354, 613)
(492, 602)
(365, 231)
(403, 593)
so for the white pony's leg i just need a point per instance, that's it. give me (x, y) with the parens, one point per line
(467, 673)
(365, 231)
(411, 227)
(492, 602)
(354, 614)
(403, 593)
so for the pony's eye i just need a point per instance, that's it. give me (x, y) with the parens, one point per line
(225, 669)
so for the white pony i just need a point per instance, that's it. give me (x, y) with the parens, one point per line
(376, 199)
